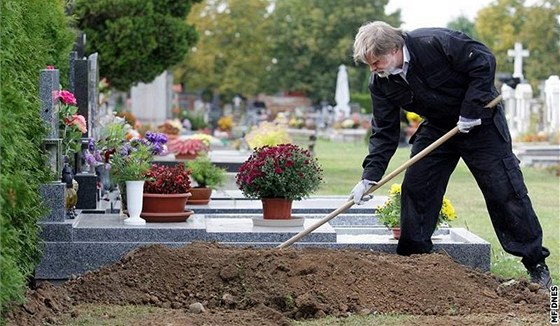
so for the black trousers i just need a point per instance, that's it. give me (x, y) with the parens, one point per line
(487, 152)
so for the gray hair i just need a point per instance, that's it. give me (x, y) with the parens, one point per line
(376, 39)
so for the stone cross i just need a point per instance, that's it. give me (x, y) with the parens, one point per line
(518, 53)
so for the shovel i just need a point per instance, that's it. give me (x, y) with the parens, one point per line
(383, 181)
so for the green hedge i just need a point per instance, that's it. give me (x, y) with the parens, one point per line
(33, 34)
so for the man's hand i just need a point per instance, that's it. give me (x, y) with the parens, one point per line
(359, 190)
(465, 124)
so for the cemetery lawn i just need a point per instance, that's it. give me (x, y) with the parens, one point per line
(342, 168)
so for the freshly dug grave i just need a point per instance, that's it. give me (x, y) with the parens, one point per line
(250, 286)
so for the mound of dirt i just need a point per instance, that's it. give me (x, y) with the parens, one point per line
(277, 285)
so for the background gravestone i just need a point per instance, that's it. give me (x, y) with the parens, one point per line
(72, 85)
(52, 193)
(86, 95)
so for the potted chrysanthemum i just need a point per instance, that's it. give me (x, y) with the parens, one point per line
(188, 148)
(278, 175)
(389, 213)
(166, 192)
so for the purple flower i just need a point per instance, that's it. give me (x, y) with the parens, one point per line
(125, 150)
(156, 138)
(162, 138)
(150, 136)
(157, 148)
(98, 156)
(90, 159)
(91, 144)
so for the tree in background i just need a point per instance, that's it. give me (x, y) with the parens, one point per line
(137, 39)
(253, 46)
(312, 38)
(233, 52)
(463, 24)
(541, 35)
(505, 22)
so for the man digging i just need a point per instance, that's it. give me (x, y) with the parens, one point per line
(448, 79)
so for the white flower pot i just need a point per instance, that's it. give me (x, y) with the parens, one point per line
(134, 197)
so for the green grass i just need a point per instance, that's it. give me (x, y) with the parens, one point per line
(341, 163)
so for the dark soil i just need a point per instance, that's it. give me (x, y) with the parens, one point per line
(255, 286)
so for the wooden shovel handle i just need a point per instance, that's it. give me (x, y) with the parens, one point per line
(383, 181)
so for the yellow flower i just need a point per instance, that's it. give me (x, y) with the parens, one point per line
(225, 123)
(389, 212)
(395, 189)
(268, 133)
(447, 210)
(411, 116)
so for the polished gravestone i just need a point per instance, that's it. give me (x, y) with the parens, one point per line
(95, 238)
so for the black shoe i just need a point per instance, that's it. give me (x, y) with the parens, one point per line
(539, 274)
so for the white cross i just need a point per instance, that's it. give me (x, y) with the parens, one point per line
(518, 53)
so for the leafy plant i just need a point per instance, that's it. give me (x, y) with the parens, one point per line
(126, 157)
(282, 171)
(196, 119)
(205, 173)
(72, 124)
(390, 212)
(163, 179)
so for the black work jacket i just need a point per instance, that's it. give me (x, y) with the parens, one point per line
(449, 74)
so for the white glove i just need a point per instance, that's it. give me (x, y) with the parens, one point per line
(357, 193)
(465, 124)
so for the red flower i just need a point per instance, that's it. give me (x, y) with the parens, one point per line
(67, 97)
(168, 179)
(282, 171)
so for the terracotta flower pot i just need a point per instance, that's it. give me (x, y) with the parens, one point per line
(277, 208)
(396, 233)
(185, 156)
(165, 207)
(200, 196)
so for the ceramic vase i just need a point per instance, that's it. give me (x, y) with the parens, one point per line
(134, 197)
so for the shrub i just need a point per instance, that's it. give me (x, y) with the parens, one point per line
(34, 34)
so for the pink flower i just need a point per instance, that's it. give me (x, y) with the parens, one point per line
(77, 120)
(50, 67)
(67, 97)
